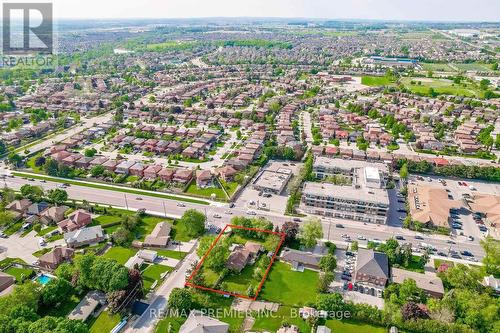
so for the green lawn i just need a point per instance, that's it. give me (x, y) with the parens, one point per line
(238, 283)
(415, 265)
(440, 86)
(20, 273)
(146, 226)
(171, 254)
(474, 66)
(7, 261)
(46, 230)
(437, 67)
(230, 187)
(206, 192)
(105, 322)
(289, 287)
(438, 262)
(374, 81)
(120, 254)
(180, 231)
(109, 188)
(41, 252)
(30, 163)
(13, 228)
(152, 273)
(106, 219)
(273, 322)
(348, 326)
(174, 323)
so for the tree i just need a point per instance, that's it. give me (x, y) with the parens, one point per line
(195, 222)
(310, 232)
(15, 159)
(412, 311)
(491, 260)
(180, 300)
(6, 218)
(90, 152)
(324, 281)
(34, 193)
(328, 263)
(354, 246)
(58, 196)
(331, 302)
(291, 230)
(51, 167)
(97, 170)
(40, 161)
(55, 292)
(403, 172)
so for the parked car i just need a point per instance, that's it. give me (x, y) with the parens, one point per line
(398, 237)
(338, 225)
(180, 204)
(217, 216)
(466, 253)
(251, 212)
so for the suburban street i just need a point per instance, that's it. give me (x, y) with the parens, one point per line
(175, 209)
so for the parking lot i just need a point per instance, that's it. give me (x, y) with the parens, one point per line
(254, 200)
(463, 222)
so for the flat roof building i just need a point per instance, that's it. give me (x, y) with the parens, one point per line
(325, 166)
(358, 203)
(272, 181)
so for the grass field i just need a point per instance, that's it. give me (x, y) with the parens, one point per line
(46, 230)
(170, 324)
(180, 231)
(20, 274)
(147, 225)
(171, 254)
(290, 287)
(41, 252)
(110, 188)
(375, 81)
(120, 254)
(153, 273)
(284, 313)
(437, 67)
(440, 86)
(105, 322)
(348, 326)
(474, 66)
(13, 228)
(206, 192)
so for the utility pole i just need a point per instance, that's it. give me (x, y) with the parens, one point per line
(126, 202)
(164, 209)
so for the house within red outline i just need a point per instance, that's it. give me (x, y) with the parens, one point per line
(189, 284)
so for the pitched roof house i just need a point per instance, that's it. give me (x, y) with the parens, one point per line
(76, 220)
(372, 267)
(54, 258)
(160, 235)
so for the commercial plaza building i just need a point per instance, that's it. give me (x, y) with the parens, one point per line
(365, 201)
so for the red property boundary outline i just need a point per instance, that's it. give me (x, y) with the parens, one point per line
(189, 284)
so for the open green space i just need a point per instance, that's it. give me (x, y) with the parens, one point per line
(20, 274)
(120, 254)
(170, 324)
(146, 226)
(13, 228)
(41, 252)
(375, 81)
(273, 322)
(437, 67)
(171, 254)
(423, 86)
(350, 326)
(105, 322)
(206, 192)
(474, 66)
(153, 273)
(110, 188)
(289, 287)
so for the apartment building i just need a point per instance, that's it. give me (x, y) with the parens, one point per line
(324, 167)
(364, 201)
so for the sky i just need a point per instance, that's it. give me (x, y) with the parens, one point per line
(440, 10)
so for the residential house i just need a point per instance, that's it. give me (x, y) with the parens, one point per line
(429, 283)
(204, 178)
(300, 259)
(58, 255)
(84, 236)
(197, 322)
(76, 220)
(159, 237)
(7, 282)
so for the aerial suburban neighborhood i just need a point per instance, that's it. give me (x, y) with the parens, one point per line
(267, 174)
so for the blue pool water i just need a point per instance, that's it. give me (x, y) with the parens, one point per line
(43, 279)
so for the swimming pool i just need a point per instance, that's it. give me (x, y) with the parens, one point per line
(43, 279)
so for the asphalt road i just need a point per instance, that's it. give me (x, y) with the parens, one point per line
(173, 208)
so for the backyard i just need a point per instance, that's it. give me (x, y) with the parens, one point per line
(153, 273)
(290, 287)
(105, 322)
(120, 254)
